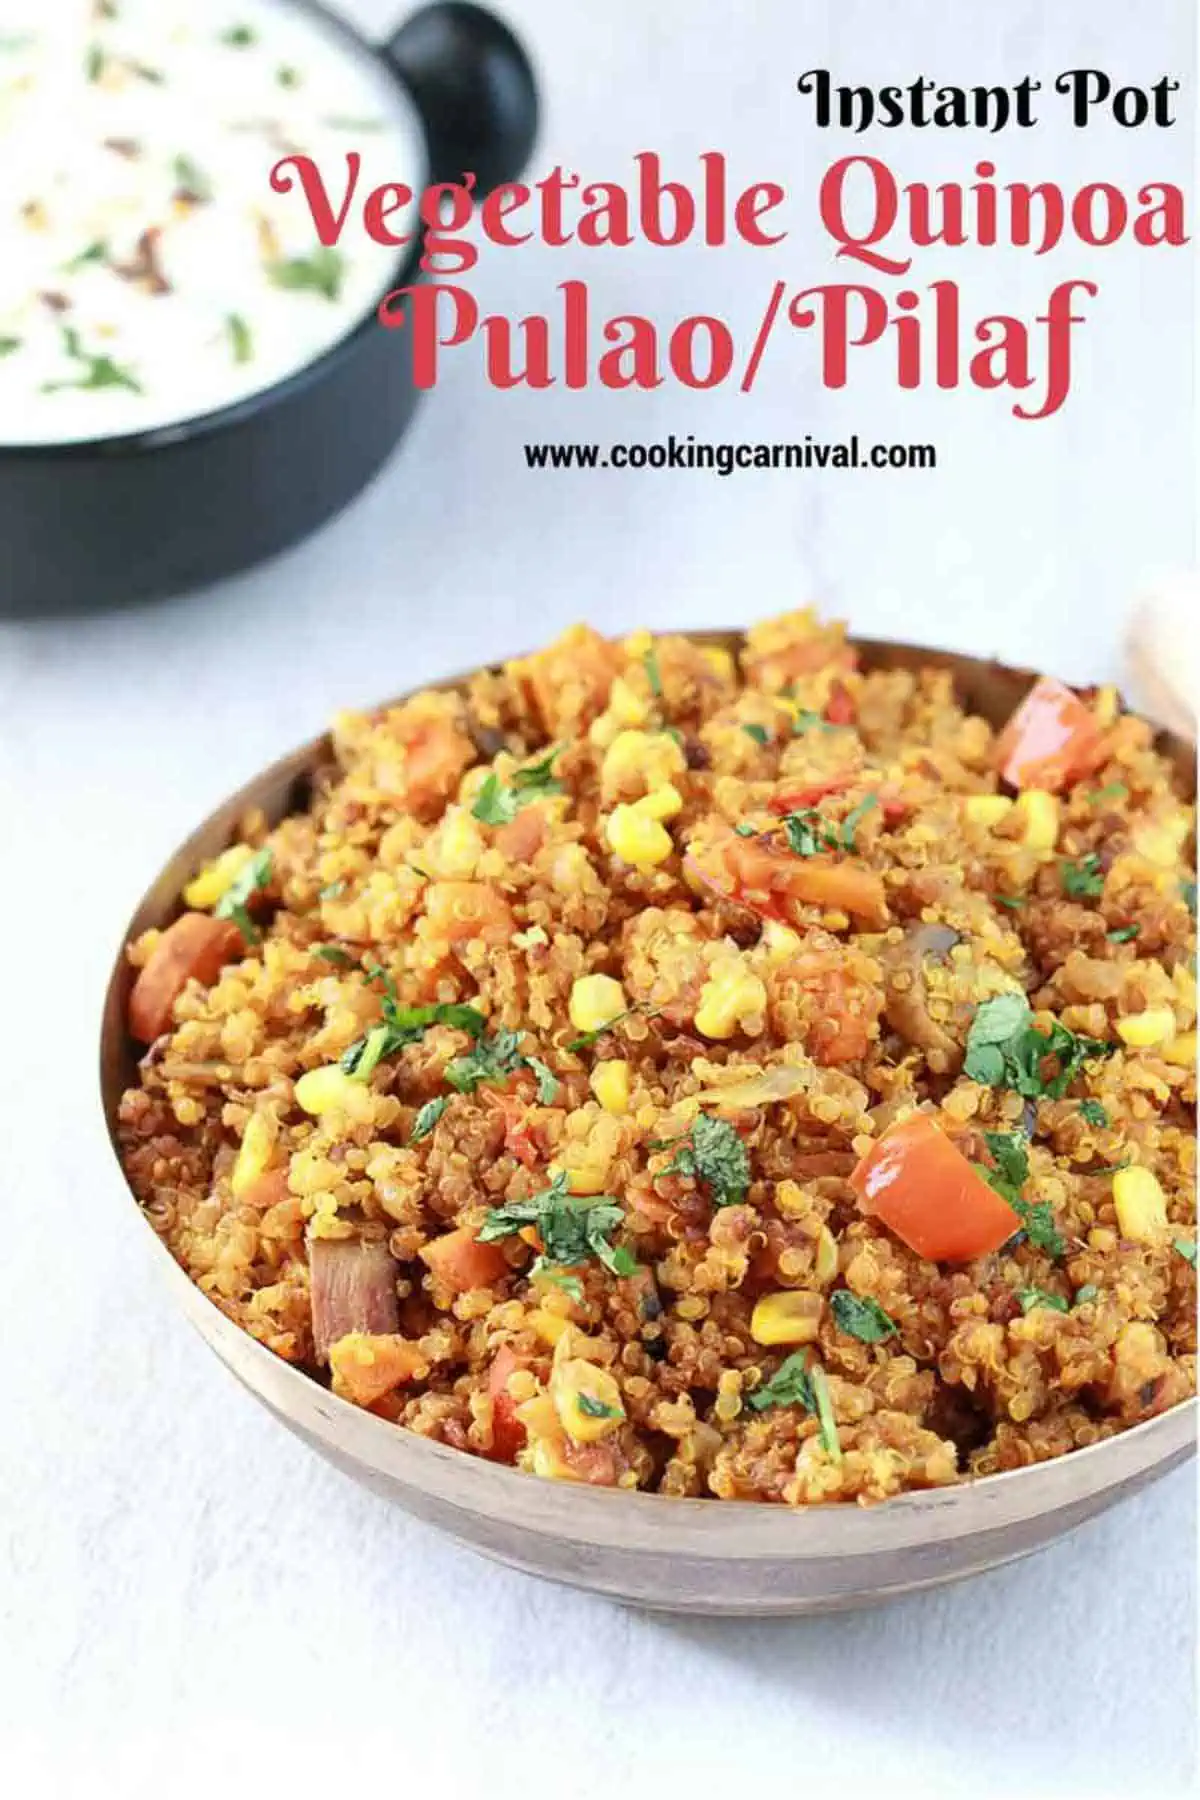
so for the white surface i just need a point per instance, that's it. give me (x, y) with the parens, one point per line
(187, 1599)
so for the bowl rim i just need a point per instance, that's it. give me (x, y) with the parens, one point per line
(619, 1520)
(201, 425)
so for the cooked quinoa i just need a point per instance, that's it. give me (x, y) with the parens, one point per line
(730, 1078)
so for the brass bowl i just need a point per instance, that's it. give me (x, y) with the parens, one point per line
(693, 1556)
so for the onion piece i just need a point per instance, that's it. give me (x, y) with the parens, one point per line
(779, 1083)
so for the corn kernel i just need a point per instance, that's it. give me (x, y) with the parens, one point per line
(826, 1265)
(645, 759)
(731, 999)
(720, 661)
(661, 802)
(638, 643)
(586, 1170)
(627, 706)
(987, 809)
(1142, 1029)
(548, 1325)
(792, 1317)
(1161, 841)
(1039, 818)
(1141, 1205)
(586, 1399)
(459, 845)
(610, 1084)
(216, 877)
(637, 840)
(258, 1141)
(1181, 1050)
(596, 1000)
(331, 1090)
(780, 942)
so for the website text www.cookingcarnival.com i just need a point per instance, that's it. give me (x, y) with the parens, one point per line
(700, 454)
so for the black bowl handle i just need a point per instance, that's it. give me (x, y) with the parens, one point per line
(474, 89)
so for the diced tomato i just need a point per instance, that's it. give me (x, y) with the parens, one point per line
(796, 799)
(196, 945)
(839, 708)
(925, 1190)
(508, 1433)
(461, 1262)
(435, 755)
(519, 1138)
(1051, 740)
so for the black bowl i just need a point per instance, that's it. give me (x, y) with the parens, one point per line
(117, 519)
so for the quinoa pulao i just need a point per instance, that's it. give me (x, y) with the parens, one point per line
(749, 1078)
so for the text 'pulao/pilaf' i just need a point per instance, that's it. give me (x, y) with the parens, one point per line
(760, 1082)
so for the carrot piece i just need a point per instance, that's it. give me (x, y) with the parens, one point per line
(195, 946)
(1051, 740)
(520, 840)
(458, 910)
(366, 1366)
(924, 1189)
(839, 708)
(461, 1262)
(787, 882)
(508, 1433)
(797, 799)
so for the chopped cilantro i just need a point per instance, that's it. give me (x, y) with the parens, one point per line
(1186, 1248)
(744, 830)
(496, 804)
(854, 818)
(547, 1081)
(712, 1152)
(333, 953)
(241, 342)
(572, 1228)
(332, 890)
(321, 273)
(234, 902)
(287, 77)
(99, 371)
(191, 180)
(1124, 934)
(8, 345)
(791, 1385)
(1187, 892)
(586, 1039)
(94, 62)
(653, 674)
(807, 832)
(598, 1409)
(1115, 790)
(491, 1062)
(1037, 1222)
(1083, 880)
(1033, 1296)
(861, 1317)
(403, 1025)
(1015, 901)
(239, 37)
(759, 733)
(795, 1383)
(1093, 1112)
(804, 720)
(1005, 1049)
(96, 252)
(1089, 1291)
(428, 1117)
(1009, 1151)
